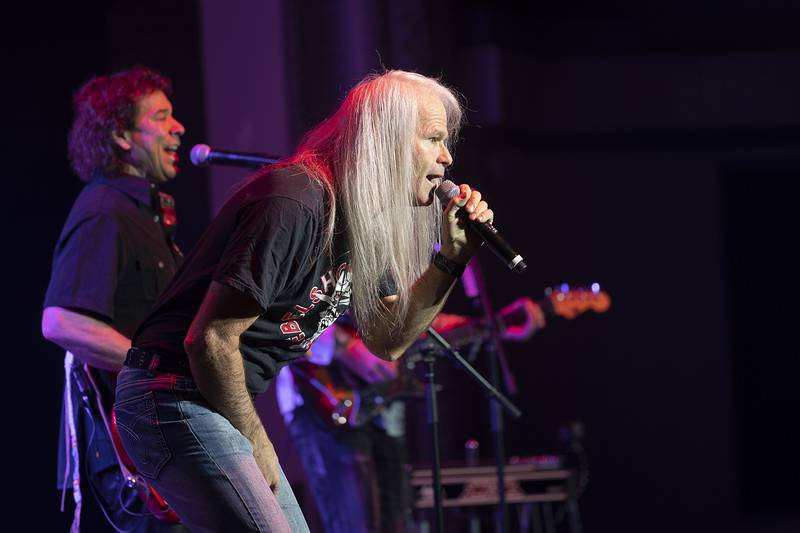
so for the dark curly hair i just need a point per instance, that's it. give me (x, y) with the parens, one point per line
(105, 104)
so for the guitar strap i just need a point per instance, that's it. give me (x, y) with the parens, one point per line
(71, 445)
(76, 376)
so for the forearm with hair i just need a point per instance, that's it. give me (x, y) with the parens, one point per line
(218, 370)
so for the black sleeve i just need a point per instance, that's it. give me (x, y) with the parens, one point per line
(85, 267)
(270, 247)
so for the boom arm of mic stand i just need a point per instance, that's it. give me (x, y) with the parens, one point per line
(510, 408)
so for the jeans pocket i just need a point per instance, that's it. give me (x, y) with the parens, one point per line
(141, 433)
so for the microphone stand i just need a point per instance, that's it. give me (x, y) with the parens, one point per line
(496, 396)
(240, 159)
(475, 286)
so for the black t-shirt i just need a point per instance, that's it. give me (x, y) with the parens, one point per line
(113, 258)
(265, 242)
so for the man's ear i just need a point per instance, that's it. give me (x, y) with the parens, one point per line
(122, 139)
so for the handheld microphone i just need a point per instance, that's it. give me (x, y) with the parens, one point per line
(484, 230)
(202, 155)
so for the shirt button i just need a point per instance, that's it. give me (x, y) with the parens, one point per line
(156, 218)
(161, 264)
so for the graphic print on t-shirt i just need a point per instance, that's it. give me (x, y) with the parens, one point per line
(329, 300)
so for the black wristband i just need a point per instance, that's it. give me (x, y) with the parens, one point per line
(448, 266)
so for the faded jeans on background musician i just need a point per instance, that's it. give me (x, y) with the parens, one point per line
(358, 477)
(195, 458)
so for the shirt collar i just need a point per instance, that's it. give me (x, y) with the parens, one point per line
(136, 187)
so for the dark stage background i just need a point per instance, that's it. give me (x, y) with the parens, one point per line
(650, 146)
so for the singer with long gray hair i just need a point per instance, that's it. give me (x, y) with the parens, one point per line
(351, 216)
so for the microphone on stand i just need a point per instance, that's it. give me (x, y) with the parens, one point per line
(202, 155)
(485, 231)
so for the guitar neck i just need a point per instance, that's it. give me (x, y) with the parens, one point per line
(566, 304)
(547, 307)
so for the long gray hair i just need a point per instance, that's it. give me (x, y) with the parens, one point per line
(364, 157)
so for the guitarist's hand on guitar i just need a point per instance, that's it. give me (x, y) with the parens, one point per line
(520, 319)
(372, 369)
(446, 321)
(267, 461)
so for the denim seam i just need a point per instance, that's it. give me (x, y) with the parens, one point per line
(153, 423)
(185, 420)
(159, 380)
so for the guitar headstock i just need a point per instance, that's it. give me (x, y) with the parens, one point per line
(569, 302)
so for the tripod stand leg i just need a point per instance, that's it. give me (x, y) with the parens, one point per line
(525, 511)
(433, 422)
(573, 514)
(549, 518)
(536, 518)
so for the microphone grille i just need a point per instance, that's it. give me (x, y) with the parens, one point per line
(446, 190)
(199, 154)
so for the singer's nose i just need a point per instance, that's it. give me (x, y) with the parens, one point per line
(445, 158)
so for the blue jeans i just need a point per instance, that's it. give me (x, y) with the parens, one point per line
(357, 476)
(202, 466)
